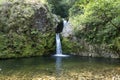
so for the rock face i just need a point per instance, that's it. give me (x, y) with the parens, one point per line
(76, 46)
(67, 29)
(94, 50)
(41, 20)
(59, 27)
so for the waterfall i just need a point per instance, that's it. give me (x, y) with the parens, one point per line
(58, 45)
(65, 23)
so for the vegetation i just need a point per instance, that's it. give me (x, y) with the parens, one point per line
(19, 35)
(26, 27)
(61, 7)
(97, 22)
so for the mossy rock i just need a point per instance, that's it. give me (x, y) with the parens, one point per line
(26, 29)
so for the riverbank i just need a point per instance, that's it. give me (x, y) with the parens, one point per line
(70, 76)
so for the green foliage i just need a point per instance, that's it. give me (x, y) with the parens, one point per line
(18, 35)
(69, 46)
(78, 7)
(97, 21)
(61, 7)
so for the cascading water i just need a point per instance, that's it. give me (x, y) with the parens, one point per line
(58, 44)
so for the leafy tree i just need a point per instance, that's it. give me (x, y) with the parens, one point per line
(98, 21)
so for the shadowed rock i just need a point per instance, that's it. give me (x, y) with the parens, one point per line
(59, 27)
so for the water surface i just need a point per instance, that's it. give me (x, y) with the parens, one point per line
(74, 68)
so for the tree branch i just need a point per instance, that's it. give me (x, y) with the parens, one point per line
(110, 21)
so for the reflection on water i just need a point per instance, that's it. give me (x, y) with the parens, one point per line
(58, 65)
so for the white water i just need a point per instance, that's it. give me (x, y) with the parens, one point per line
(65, 23)
(58, 45)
